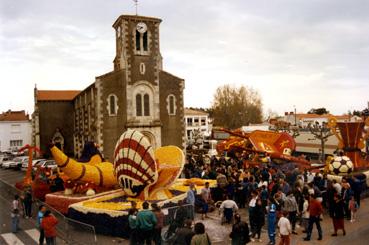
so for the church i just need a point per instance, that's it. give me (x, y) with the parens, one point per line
(137, 94)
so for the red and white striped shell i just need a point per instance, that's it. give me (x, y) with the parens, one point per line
(134, 163)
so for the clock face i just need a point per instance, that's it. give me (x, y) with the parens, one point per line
(141, 27)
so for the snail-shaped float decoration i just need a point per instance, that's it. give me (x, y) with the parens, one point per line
(143, 172)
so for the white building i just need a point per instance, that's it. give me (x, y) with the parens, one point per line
(196, 121)
(303, 120)
(15, 130)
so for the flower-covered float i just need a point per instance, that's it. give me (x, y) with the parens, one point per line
(353, 161)
(139, 174)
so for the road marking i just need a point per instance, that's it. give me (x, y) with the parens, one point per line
(34, 234)
(11, 239)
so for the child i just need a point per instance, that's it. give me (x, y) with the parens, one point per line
(353, 206)
(15, 220)
(285, 229)
(272, 219)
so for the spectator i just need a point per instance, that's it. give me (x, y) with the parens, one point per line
(315, 211)
(272, 219)
(346, 196)
(200, 237)
(305, 214)
(15, 220)
(206, 197)
(27, 202)
(284, 226)
(40, 215)
(184, 234)
(227, 208)
(240, 232)
(353, 206)
(146, 222)
(256, 216)
(191, 193)
(159, 225)
(132, 221)
(290, 206)
(48, 224)
(338, 215)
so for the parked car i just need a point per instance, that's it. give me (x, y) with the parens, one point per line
(17, 162)
(6, 164)
(34, 163)
(46, 164)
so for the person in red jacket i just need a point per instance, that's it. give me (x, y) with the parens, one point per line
(315, 210)
(48, 224)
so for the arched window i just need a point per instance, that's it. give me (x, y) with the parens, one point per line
(112, 105)
(171, 104)
(138, 105)
(144, 41)
(146, 105)
(138, 41)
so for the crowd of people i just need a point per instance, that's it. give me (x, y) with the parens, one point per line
(282, 199)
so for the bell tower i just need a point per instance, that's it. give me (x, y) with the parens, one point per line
(138, 55)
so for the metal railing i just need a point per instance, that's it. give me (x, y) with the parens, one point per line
(70, 230)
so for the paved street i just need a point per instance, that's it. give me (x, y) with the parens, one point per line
(357, 232)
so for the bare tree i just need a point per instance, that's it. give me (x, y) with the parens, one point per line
(321, 132)
(234, 107)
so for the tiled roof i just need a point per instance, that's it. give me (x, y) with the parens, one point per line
(192, 112)
(322, 116)
(14, 116)
(55, 95)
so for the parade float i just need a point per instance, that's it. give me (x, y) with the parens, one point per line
(139, 173)
(351, 161)
(260, 144)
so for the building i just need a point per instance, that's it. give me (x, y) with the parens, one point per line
(303, 120)
(15, 130)
(197, 123)
(137, 94)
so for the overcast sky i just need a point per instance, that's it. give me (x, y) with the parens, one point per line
(307, 53)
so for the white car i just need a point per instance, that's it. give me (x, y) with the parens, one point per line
(34, 163)
(6, 164)
(4, 158)
(46, 164)
(17, 162)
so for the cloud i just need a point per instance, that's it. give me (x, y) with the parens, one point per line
(305, 53)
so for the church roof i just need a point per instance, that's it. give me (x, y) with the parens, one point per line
(55, 95)
(14, 116)
(170, 74)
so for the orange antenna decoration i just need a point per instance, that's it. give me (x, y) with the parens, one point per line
(28, 179)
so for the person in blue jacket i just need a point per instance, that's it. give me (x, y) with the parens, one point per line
(272, 219)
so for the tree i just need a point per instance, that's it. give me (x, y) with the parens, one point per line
(322, 133)
(234, 107)
(318, 111)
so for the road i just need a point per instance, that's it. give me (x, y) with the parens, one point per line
(357, 232)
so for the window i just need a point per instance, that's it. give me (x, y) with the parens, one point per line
(147, 105)
(142, 107)
(138, 41)
(171, 104)
(118, 31)
(16, 143)
(138, 105)
(189, 121)
(144, 41)
(15, 128)
(203, 121)
(112, 106)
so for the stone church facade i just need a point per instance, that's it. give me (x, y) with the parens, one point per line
(138, 94)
